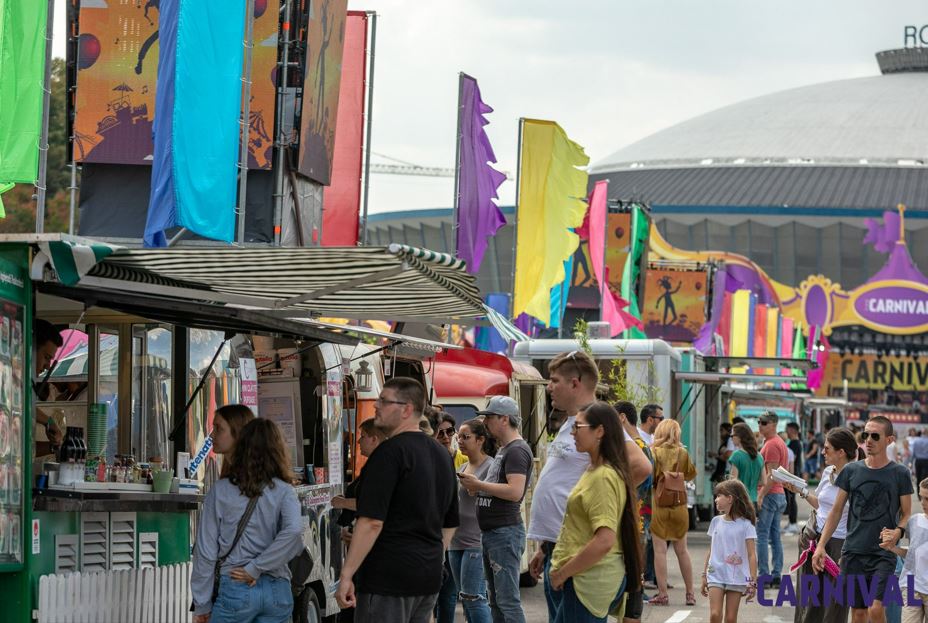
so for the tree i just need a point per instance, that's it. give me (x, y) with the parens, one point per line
(20, 203)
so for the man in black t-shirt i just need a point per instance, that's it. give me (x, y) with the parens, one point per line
(407, 512)
(499, 513)
(879, 493)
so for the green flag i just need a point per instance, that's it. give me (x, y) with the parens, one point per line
(638, 245)
(22, 79)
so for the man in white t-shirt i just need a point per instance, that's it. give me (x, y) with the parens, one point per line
(572, 384)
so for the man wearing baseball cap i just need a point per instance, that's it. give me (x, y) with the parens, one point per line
(499, 499)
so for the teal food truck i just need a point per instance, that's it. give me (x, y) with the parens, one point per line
(156, 340)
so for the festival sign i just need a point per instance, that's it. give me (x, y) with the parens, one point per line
(117, 68)
(674, 303)
(584, 291)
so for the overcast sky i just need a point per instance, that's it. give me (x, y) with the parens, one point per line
(610, 72)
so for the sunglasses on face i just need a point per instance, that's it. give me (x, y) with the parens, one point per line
(464, 437)
(577, 426)
(874, 436)
(762, 422)
(446, 432)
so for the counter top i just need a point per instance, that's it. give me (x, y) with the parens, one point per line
(56, 500)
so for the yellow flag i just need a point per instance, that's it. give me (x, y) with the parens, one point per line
(551, 193)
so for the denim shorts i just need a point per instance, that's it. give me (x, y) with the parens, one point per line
(738, 588)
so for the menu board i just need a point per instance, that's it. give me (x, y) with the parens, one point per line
(12, 353)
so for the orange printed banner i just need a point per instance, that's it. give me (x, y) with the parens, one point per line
(674, 304)
(117, 67)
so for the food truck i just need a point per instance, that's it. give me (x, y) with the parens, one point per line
(157, 339)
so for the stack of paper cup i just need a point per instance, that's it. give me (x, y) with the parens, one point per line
(96, 429)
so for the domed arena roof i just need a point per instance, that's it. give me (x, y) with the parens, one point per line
(860, 143)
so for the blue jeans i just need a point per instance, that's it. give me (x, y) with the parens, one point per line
(447, 601)
(550, 597)
(268, 601)
(502, 560)
(768, 531)
(571, 610)
(467, 568)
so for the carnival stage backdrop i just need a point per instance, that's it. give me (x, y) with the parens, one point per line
(674, 304)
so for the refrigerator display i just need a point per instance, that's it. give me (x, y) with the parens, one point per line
(12, 452)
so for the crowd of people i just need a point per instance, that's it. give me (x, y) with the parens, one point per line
(435, 518)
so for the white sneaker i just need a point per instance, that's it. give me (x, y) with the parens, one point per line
(791, 529)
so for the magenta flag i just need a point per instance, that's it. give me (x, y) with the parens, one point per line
(595, 225)
(478, 216)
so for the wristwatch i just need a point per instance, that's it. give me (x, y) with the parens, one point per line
(902, 530)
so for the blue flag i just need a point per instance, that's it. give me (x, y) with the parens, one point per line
(196, 129)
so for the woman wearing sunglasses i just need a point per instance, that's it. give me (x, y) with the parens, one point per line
(597, 557)
(840, 449)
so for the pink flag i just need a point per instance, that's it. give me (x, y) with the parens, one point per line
(596, 225)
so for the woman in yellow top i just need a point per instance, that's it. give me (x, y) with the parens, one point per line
(597, 556)
(670, 523)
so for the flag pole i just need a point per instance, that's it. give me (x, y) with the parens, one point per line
(41, 183)
(372, 44)
(249, 45)
(515, 218)
(455, 227)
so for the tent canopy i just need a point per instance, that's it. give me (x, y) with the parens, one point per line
(397, 283)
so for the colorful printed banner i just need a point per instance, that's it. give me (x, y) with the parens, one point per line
(22, 75)
(674, 303)
(584, 292)
(635, 262)
(117, 62)
(194, 173)
(478, 217)
(341, 202)
(324, 47)
(551, 191)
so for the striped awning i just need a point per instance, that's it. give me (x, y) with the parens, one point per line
(398, 282)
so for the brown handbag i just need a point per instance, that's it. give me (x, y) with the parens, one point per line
(671, 489)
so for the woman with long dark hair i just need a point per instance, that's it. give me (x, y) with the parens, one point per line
(256, 500)
(746, 463)
(228, 422)
(840, 448)
(598, 548)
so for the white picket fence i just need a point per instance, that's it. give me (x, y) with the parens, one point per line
(155, 595)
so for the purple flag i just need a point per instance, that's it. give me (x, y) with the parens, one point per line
(478, 217)
(883, 236)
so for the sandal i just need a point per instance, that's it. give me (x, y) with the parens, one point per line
(659, 600)
(690, 599)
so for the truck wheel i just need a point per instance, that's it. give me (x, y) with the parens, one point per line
(307, 608)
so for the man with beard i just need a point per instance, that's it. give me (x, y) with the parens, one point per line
(572, 384)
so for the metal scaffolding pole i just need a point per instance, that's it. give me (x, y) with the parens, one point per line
(41, 183)
(370, 121)
(249, 45)
(282, 68)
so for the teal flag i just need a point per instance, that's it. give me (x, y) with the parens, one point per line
(22, 78)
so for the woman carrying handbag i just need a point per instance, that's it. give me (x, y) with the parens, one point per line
(249, 530)
(670, 518)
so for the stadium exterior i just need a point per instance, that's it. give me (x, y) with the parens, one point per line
(786, 179)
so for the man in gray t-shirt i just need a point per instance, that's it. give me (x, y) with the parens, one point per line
(498, 508)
